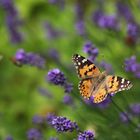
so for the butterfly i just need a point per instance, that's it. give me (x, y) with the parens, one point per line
(97, 84)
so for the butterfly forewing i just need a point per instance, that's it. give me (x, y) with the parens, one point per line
(85, 68)
(115, 84)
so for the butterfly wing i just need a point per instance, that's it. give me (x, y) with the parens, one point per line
(85, 68)
(100, 95)
(115, 84)
(85, 87)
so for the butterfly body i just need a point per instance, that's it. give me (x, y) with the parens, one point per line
(96, 84)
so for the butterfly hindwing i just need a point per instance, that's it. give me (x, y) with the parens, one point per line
(85, 87)
(115, 84)
(101, 94)
(85, 68)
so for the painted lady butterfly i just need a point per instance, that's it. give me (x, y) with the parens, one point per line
(96, 84)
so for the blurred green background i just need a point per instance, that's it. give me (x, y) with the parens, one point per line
(20, 99)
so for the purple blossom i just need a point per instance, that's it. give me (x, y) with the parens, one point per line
(105, 21)
(109, 22)
(124, 11)
(53, 54)
(12, 20)
(50, 117)
(68, 87)
(96, 16)
(62, 124)
(55, 76)
(45, 92)
(9, 138)
(68, 100)
(135, 108)
(34, 134)
(52, 33)
(86, 135)
(131, 65)
(133, 31)
(29, 58)
(37, 119)
(107, 67)
(79, 10)
(91, 50)
(124, 117)
(80, 27)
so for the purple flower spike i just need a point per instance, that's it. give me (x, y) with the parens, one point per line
(68, 87)
(86, 135)
(80, 27)
(124, 11)
(12, 20)
(34, 134)
(107, 67)
(62, 124)
(135, 108)
(91, 50)
(9, 138)
(52, 33)
(131, 65)
(55, 76)
(29, 59)
(68, 100)
(37, 119)
(50, 117)
(124, 118)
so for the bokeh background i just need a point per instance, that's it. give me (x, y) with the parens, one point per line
(37, 41)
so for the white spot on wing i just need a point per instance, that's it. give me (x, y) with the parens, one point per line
(122, 80)
(84, 60)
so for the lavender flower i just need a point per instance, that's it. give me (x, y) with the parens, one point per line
(124, 117)
(135, 108)
(62, 124)
(34, 134)
(86, 135)
(55, 76)
(91, 50)
(45, 92)
(131, 65)
(105, 21)
(68, 87)
(79, 10)
(9, 138)
(68, 100)
(80, 27)
(109, 22)
(12, 20)
(96, 16)
(107, 67)
(133, 32)
(50, 117)
(53, 54)
(37, 119)
(29, 58)
(124, 11)
(52, 33)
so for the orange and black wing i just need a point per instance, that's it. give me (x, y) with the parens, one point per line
(85, 68)
(115, 84)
